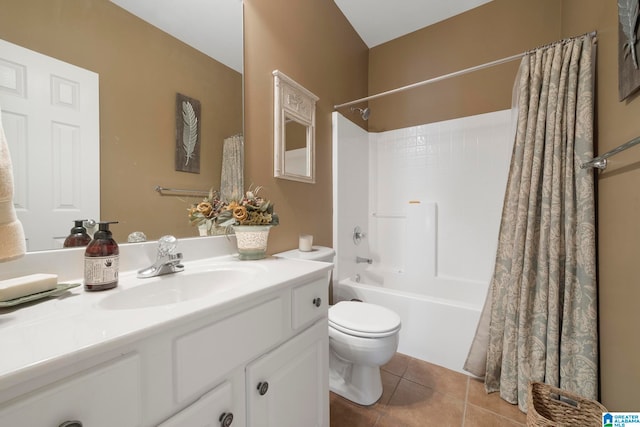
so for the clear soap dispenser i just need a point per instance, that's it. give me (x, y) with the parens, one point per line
(78, 235)
(101, 260)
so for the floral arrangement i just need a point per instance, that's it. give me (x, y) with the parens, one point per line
(216, 213)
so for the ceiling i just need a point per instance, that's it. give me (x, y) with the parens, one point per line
(376, 21)
(214, 27)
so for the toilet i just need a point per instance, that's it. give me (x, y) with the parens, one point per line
(362, 337)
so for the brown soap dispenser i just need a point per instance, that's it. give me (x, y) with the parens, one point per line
(78, 236)
(101, 260)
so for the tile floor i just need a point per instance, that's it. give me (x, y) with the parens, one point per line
(420, 394)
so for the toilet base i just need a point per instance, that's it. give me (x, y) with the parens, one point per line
(357, 383)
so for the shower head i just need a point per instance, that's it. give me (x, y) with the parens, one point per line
(363, 112)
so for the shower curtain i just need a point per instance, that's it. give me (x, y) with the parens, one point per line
(541, 310)
(232, 176)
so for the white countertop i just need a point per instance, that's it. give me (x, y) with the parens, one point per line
(50, 334)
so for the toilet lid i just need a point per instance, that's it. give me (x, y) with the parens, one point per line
(363, 319)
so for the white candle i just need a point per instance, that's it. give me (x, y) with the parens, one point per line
(306, 241)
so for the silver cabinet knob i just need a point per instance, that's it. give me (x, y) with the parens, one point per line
(317, 302)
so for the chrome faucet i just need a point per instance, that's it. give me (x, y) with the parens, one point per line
(168, 260)
(360, 260)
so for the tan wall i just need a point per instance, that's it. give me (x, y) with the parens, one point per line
(499, 29)
(618, 207)
(311, 42)
(496, 30)
(141, 69)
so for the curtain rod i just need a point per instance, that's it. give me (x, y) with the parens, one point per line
(439, 78)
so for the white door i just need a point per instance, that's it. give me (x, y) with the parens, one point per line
(50, 115)
(289, 387)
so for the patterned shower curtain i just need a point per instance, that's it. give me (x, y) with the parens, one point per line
(232, 175)
(543, 300)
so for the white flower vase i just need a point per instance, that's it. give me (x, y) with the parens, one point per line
(252, 241)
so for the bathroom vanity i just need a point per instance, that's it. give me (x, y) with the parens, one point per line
(224, 343)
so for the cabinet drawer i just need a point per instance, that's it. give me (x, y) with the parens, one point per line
(309, 302)
(108, 395)
(203, 356)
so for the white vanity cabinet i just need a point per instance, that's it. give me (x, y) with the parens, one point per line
(258, 360)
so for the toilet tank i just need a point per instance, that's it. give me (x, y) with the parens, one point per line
(317, 253)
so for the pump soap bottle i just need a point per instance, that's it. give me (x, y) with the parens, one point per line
(78, 236)
(101, 260)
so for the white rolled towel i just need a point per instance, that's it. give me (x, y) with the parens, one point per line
(12, 243)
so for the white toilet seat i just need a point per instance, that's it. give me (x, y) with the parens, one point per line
(360, 319)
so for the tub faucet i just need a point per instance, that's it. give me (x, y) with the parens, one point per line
(360, 260)
(167, 261)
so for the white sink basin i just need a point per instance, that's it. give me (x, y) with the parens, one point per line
(179, 287)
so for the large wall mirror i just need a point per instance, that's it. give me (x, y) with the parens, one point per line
(144, 54)
(294, 130)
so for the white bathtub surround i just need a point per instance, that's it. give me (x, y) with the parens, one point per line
(461, 165)
(420, 260)
(350, 193)
(432, 260)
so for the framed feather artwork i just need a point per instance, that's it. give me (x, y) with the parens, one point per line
(628, 61)
(187, 134)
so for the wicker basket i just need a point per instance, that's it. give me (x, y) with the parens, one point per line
(549, 406)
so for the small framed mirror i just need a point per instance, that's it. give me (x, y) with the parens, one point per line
(294, 130)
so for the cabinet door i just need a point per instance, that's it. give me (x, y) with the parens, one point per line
(214, 409)
(289, 387)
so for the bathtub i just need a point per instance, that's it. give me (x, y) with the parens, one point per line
(439, 315)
